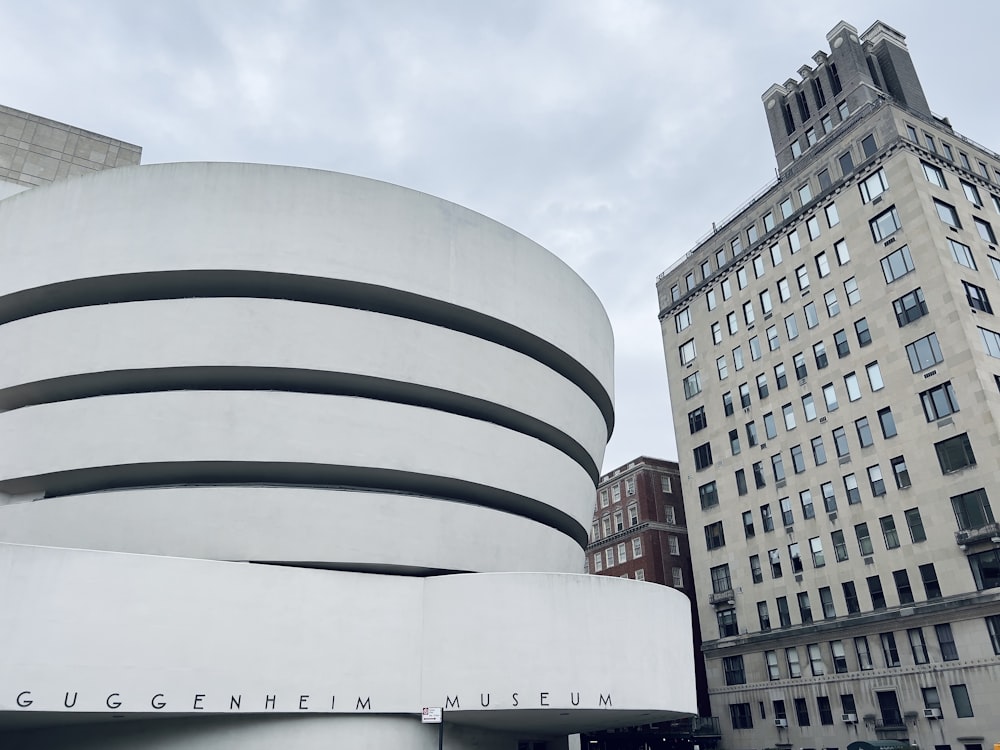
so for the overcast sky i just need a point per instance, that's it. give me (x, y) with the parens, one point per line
(613, 132)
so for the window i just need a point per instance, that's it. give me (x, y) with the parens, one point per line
(734, 442)
(962, 254)
(637, 547)
(706, 269)
(947, 213)
(991, 340)
(598, 563)
(682, 320)
(830, 396)
(900, 473)
(843, 255)
(640, 575)
(963, 705)
(839, 657)
(889, 533)
(864, 539)
(993, 628)
(727, 403)
(773, 671)
(710, 300)
(832, 217)
(875, 480)
(809, 407)
(773, 342)
(897, 264)
(786, 208)
(741, 482)
(910, 307)
(792, 659)
(758, 476)
(748, 530)
(840, 442)
(703, 456)
(721, 581)
(995, 265)
(784, 290)
(674, 545)
(972, 510)
(765, 301)
(722, 367)
(924, 353)
(976, 297)
(791, 327)
(818, 451)
(677, 576)
(934, 175)
(819, 354)
(728, 625)
(965, 161)
(928, 576)
(787, 519)
(789, 416)
(903, 589)
(697, 420)
(768, 221)
(874, 373)
(839, 545)
(774, 558)
(727, 289)
(851, 486)
(762, 390)
(805, 194)
(851, 598)
(735, 674)
(915, 524)
(816, 551)
(780, 376)
(872, 186)
(802, 711)
(864, 432)
(918, 647)
(714, 536)
(832, 305)
(875, 590)
(889, 651)
(763, 616)
(885, 224)
(619, 521)
(744, 390)
(955, 453)
(985, 230)
(847, 165)
(812, 227)
(949, 649)
(851, 384)
(930, 143)
(755, 571)
(751, 234)
(692, 385)
(778, 467)
(766, 519)
(630, 486)
(709, 496)
(774, 250)
(864, 653)
(887, 422)
(622, 554)
(852, 291)
(802, 278)
(748, 315)
(985, 569)
(829, 497)
(812, 317)
(732, 323)
(861, 329)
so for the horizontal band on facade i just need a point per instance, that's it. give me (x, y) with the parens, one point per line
(162, 285)
(293, 380)
(290, 474)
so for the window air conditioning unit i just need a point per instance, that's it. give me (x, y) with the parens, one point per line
(932, 713)
(849, 718)
(781, 723)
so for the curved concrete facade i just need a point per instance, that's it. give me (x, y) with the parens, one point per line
(395, 403)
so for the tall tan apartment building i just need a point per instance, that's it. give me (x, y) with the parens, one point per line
(833, 358)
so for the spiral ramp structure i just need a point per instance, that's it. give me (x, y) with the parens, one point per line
(288, 455)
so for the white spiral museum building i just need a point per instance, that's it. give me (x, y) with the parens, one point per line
(287, 456)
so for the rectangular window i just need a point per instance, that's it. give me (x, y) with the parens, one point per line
(778, 467)
(963, 704)
(885, 224)
(741, 482)
(758, 475)
(819, 355)
(889, 533)
(792, 659)
(985, 569)
(874, 373)
(774, 558)
(875, 590)
(788, 414)
(910, 307)
(897, 264)
(812, 227)
(889, 651)
(829, 496)
(809, 407)
(918, 646)
(861, 329)
(947, 213)
(692, 385)
(916, 525)
(839, 545)
(864, 432)
(598, 563)
(903, 589)
(755, 571)
(773, 342)
(993, 628)
(697, 420)
(816, 550)
(735, 674)
(812, 317)
(851, 598)
(949, 649)
(839, 657)
(832, 217)
(765, 302)
(955, 453)
(798, 459)
(780, 376)
(977, 298)
(637, 547)
(985, 230)
(873, 186)
(714, 536)
(934, 175)
(853, 291)
(832, 304)
(972, 510)
(727, 403)
(722, 367)
(840, 442)
(818, 451)
(875, 480)
(864, 539)
(830, 396)
(853, 389)
(843, 255)
(773, 671)
(802, 277)
(928, 577)
(802, 711)
(677, 576)
(748, 530)
(709, 495)
(703, 456)
(851, 486)
(962, 254)
(864, 653)
(991, 340)
(784, 290)
(924, 353)
(900, 473)
(805, 608)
